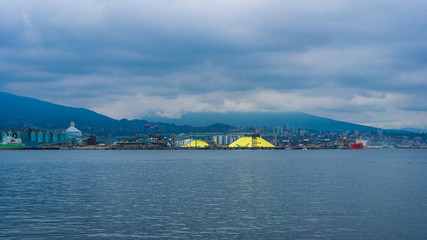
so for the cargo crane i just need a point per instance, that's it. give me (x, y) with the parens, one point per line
(345, 142)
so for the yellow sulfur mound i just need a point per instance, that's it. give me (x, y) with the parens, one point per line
(250, 142)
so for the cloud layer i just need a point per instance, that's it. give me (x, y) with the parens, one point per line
(358, 61)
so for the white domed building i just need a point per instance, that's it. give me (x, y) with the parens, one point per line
(73, 132)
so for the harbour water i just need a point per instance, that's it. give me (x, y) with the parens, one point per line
(265, 194)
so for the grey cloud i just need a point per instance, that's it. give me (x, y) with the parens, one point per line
(173, 48)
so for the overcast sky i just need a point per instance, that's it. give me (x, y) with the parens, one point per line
(359, 61)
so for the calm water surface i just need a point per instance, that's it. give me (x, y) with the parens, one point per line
(324, 194)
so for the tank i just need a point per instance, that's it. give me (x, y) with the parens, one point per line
(228, 140)
(47, 137)
(62, 136)
(40, 137)
(33, 136)
(220, 140)
(55, 137)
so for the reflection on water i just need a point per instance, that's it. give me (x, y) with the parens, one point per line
(213, 194)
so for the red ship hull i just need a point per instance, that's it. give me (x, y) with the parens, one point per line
(357, 146)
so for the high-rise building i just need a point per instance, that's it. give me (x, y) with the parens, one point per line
(278, 131)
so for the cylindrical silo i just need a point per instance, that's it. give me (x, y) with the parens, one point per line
(62, 136)
(55, 137)
(47, 137)
(40, 137)
(220, 140)
(33, 136)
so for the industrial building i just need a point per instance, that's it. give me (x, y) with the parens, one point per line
(73, 132)
(196, 144)
(33, 136)
(225, 140)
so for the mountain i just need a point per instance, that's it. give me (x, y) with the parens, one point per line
(20, 111)
(17, 112)
(260, 119)
(414, 130)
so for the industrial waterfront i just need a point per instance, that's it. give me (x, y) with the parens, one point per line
(152, 138)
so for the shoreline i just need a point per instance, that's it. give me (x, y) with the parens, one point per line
(195, 148)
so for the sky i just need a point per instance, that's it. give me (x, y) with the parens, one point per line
(359, 61)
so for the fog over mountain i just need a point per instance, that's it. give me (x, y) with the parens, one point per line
(261, 119)
(21, 111)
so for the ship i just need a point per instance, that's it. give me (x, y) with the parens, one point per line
(11, 143)
(358, 144)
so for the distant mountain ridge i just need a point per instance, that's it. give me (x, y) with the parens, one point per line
(20, 111)
(414, 130)
(17, 112)
(24, 110)
(260, 119)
